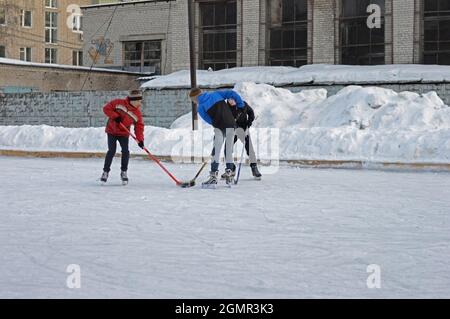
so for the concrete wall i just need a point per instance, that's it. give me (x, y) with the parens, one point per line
(46, 79)
(68, 109)
(160, 108)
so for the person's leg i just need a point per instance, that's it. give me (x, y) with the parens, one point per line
(229, 144)
(218, 141)
(250, 149)
(124, 144)
(112, 141)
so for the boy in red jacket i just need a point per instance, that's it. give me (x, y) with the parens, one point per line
(126, 111)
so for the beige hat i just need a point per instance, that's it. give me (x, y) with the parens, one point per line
(135, 95)
(195, 92)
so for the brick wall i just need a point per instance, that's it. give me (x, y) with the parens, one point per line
(160, 107)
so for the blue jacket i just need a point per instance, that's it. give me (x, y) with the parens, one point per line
(207, 99)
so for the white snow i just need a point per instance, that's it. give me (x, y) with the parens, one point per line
(300, 233)
(368, 124)
(308, 74)
(59, 66)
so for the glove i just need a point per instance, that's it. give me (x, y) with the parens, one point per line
(249, 123)
(141, 144)
(118, 120)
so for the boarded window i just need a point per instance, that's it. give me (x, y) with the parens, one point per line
(143, 56)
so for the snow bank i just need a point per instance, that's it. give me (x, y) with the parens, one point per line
(308, 74)
(358, 123)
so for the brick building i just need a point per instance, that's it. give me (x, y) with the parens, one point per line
(152, 36)
(42, 31)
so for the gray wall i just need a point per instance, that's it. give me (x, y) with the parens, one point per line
(161, 107)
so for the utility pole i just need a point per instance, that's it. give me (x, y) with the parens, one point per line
(192, 62)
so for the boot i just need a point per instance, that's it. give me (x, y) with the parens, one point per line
(229, 176)
(233, 173)
(212, 180)
(104, 177)
(124, 177)
(255, 171)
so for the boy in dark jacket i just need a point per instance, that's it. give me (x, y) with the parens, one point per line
(214, 110)
(244, 119)
(127, 112)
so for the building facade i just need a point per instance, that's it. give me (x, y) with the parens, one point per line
(152, 36)
(42, 31)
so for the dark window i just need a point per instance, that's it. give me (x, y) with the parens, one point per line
(436, 46)
(218, 35)
(2, 51)
(143, 56)
(360, 44)
(288, 33)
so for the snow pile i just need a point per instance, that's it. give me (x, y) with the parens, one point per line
(308, 74)
(358, 123)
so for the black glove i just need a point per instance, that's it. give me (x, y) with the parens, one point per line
(141, 144)
(118, 120)
(249, 123)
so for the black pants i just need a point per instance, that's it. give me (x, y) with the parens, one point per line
(112, 146)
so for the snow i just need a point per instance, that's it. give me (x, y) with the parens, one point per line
(308, 74)
(300, 233)
(59, 66)
(368, 124)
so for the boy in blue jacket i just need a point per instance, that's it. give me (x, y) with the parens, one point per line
(214, 110)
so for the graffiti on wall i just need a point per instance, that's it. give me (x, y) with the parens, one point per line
(101, 50)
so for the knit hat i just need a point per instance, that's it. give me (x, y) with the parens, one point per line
(195, 92)
(135, 95)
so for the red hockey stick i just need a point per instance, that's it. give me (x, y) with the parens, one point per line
(156, 160)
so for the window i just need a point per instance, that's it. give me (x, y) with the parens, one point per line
(25, 54)
(143, 56)
(77, 24)
(361, 45)
(288, 33)
(436, 46)
(51, 4)
(25, 18)
(2, 16)
(77, 58)
(218, 35)
(2, 51)
(51, 27)
(51, 55)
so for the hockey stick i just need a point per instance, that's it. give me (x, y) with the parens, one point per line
(156, 160)
(242, 156)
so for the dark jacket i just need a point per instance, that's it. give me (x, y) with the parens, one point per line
(244, 117)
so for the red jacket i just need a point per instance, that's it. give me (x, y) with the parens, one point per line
(128, 114)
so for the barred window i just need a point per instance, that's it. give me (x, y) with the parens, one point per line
(436, 46)
(143, 56)
(218, 35)
(360, 44)
(288, 32)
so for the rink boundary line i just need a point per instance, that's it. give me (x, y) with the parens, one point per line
(344, 164)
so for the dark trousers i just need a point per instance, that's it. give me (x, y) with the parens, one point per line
(112, 146)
